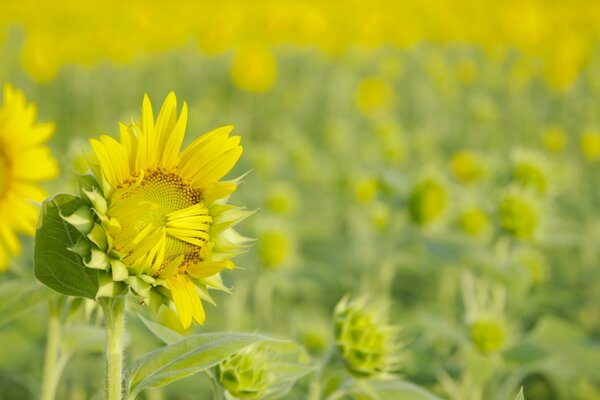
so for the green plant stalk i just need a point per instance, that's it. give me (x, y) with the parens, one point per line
(114, 314)
(51, 373)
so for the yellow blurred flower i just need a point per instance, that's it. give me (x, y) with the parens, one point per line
(25, 161)
(554, 139)
(254, 69)
(590, 145)
(373, 94)
(365, 190)
(466, 166)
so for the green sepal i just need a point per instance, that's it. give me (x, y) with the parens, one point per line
(109, 288)
(225, 216)
(82, 219)
(98, 237)
(139, 286)
(82, 248)
(98, 201)
(119, 270)
(98, 260)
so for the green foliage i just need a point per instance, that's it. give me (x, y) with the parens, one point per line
(186, 357)
(55, 265)
(18, 298)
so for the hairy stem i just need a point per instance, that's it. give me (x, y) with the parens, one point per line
(51, 371)
(114, 314)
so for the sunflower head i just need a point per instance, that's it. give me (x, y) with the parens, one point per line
(156, 220)
(25, 161)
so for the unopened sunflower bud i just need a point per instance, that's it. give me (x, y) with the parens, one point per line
(488, 334)
(367, 343)
(530, 170)
(428, 201)
(518, 215)
(245, 375)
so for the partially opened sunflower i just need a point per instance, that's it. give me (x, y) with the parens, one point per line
(25, 161)
(160, 224)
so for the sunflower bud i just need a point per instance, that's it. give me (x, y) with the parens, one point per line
(245, 374)
(518, 215)
(366, 342)
(261, 370)
(466, 167)
(474, 222)
(428, 201)
(529, 170)
(488, 334)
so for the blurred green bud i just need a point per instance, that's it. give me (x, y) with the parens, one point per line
(474, 222)
(535, 263)
(263, 370)
(428, 201)
(529, 170)
(282, 199)
(245, 375)
(367, 343)
(518, 215)
(488, 334)
(273, 248)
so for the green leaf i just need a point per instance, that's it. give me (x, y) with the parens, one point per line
(56, 266)
(167, 335)
(395, 390)
(19, 297)
(290, 365)
(520, 395)
(184, 358)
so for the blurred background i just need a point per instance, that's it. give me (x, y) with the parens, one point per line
(440, 155)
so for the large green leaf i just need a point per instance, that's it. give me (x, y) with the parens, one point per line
(18, 297)
(56, 266)
(184, 358)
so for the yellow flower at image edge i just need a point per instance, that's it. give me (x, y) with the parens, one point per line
(163, 228)
(25, 161)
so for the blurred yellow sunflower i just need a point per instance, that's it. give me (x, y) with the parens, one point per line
(162, 219)
(25, 161)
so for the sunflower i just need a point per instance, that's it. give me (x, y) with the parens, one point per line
(25, 161)
(165, 227)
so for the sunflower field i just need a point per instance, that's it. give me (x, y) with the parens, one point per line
(318, 200)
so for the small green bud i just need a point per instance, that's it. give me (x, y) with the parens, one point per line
(273, 248)
(245, 375)
(517, 216)
(488, 335)
(428, 201)
(365, 340)
(474, 222)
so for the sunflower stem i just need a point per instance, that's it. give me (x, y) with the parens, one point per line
(114, 314)
(51, 372)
